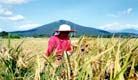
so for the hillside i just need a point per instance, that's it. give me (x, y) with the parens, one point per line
(48, 29)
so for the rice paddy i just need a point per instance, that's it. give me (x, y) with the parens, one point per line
(92, 59)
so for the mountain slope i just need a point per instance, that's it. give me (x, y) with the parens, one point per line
(48, 29)
(130, 31)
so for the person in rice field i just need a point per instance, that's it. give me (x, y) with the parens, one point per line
(60, 43)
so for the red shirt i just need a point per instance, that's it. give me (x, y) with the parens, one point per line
(58, 44)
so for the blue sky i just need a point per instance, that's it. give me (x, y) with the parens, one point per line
(112, 15)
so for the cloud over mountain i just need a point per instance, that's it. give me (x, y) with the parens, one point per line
(116, 26)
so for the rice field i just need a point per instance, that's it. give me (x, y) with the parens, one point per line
(92, 59)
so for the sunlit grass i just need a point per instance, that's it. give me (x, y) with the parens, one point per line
(92, 59)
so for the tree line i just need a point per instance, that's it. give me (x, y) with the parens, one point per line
(5, 34)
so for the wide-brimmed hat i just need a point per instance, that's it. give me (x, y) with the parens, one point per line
(65, 27)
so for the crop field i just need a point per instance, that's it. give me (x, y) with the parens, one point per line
(92, 59)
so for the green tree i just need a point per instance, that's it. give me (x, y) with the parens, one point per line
(4, 34)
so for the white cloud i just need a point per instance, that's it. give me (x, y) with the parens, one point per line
(13, 1)
(16, 18)
(134, 26)
(111, 26)
(121, 13)
(13, 18)
(126, 12)
(5, 12)
(28, 26)
(116, 26)
(129, 11)
(9, 17)
(0, 29)
(8, 12)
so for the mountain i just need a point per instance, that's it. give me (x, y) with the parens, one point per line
(48, 29)
(130, 31)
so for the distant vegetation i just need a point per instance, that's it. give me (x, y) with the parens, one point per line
(5, 34)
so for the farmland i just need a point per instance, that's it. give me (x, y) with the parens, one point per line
(92, 59)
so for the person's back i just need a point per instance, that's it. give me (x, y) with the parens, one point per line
(60, 43)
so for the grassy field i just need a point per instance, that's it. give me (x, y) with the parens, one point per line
(92, 59)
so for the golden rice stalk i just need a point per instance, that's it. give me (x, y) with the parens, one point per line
(4, 53)
(37, 68)
(21, 63)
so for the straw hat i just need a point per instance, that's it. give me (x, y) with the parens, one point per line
(65, 27)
